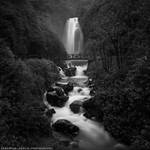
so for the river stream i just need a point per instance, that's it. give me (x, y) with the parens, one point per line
(92, 135)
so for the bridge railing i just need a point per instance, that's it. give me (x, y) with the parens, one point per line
(78, 56)
(69, 56)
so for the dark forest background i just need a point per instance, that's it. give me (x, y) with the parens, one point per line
(118, 31)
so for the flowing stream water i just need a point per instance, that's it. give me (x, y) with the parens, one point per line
(92, 135)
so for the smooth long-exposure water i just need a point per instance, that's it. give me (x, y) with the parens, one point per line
(92, 135)
(73, 37)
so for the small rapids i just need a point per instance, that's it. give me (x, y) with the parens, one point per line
(92, 135)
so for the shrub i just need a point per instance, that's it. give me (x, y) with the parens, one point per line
(21, 99)
(125, 104)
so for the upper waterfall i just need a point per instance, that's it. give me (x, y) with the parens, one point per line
(73, 36)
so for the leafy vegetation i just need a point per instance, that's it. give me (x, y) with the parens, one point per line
(124, 101)
(25, 74)
(115, 30)
(118, 31)
(20, 28)
(22, 85)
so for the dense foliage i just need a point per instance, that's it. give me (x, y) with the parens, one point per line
(117, 28)
(20, 28)
(22, 85)
(124, 101)
(118, 31)
(25, 74)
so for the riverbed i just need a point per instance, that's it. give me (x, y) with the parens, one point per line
(92, 135)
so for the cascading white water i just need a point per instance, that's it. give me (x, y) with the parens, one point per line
(80, 70)
(92, 135)
(73, 37)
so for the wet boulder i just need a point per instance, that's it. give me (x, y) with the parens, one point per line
(65, 127)
(88, 115)
(70, 71)
(92, 92)
(57, 97)
(50, 112)
(59, 91)
(88, 104)
(79, 90)
(75, 106)
(68, 87)
(92, 110)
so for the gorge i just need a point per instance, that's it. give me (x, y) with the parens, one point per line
(92, 135)
(91, 61)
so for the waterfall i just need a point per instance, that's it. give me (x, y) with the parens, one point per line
(73, 37)
(80, 70)
(92, 135)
